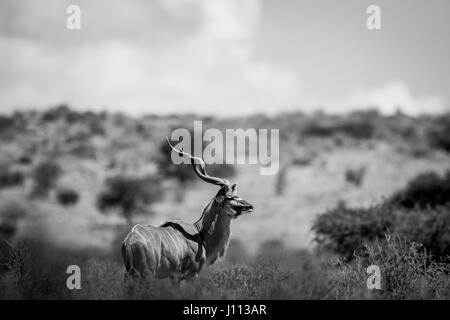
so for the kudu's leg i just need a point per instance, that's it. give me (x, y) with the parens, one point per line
(140, 260)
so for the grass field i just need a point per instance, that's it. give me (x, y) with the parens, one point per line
(39, 272)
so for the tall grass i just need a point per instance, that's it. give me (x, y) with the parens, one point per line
(38, 271)
(407, 272)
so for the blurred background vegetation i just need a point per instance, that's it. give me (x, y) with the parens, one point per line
(352, 190)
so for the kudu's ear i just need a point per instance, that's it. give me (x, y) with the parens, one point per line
(222, 193)
(234, 189)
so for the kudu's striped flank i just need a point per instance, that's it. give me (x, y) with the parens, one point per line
(178, 249)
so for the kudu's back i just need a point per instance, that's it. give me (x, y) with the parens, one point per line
(172, 250)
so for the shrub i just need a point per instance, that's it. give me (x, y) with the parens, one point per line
(344, 230)
(10, 214)
(37, 270)
(13, 211)
(24, 160)
(427, 189)
(6, 125)
(357, 126)
(61, 112)
(355, 176)
(44, 176)
(406, 270)
(438, 135)
(429, 227)
(9, 178)
(129, 194)
(84, 151)
(358, 129)
(7, 252)
(421, 212)
(67, 197)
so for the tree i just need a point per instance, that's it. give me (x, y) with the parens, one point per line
(67, 197)
(44, 177)
(130, 195)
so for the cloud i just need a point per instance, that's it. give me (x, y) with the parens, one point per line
(153, 22)
(167, 56)
(163, 57)
(388, 99)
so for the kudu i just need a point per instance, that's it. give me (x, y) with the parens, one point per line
(178, 249)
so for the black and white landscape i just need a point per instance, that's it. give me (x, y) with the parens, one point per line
(358, 93)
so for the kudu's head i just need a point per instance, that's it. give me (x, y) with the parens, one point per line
(226, 197)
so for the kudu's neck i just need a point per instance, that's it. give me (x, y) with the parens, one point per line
(215, 229)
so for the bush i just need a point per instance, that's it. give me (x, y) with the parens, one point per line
(7, 252)
(129, 194)
(421, 212)
(37, 270)
(13, 211)
(406, 271)
(355, 176)
(345, 230)
(438, 135)
(10, 214)
(427, 189)
(61, 112)
(44, 176)
(357, 126)
(67, 197)
(358, 129)
(6, 124)
(429, 227)
(84, 151)
(9, 178)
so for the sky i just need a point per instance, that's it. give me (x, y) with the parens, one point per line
(225, 57)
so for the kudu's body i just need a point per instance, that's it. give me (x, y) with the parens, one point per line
(179, 249)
